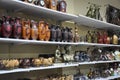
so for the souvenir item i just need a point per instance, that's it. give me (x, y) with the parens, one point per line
(105, 38)
(100, 38)
(76, 35)
(58, 34)
(6, 27)
(17, 28)
(89, 37)
(65, 34)
(62, 6)
(70, 35)
(112, 15)
(53, 4)
(47, 3)
(115, 39)
(41, 3)
(42, 30)
(47, 38)
(34, 30)
(53, 35)
(25, 29)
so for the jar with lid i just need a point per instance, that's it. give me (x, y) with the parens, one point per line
(34, 30)
(6, 27)
(25, 29)
(41, 30)
(17, 28)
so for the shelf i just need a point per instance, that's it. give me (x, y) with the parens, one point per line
(109, 78)
(97, 44)
(54, 66)
(61, 65)
(22, 41)
(90, 22)
(16, 5)
(98, 62)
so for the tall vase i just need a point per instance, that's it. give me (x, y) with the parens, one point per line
(6, 27)
(47, 38)
(42, 30)
(25, 29)
(17, 28)
(34, 30)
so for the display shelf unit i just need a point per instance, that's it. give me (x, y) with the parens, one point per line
(98, 62)
(23, 41)
(54, 66)
(17, 5)
(96, 44)
(94, 23)
(109, 78)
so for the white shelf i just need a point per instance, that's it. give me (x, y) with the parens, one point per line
(61, 65)
(90, 22)
(98, 62)
(109, 78)
(16, 5)
(54, 66)
(23, 41)
(97, 44)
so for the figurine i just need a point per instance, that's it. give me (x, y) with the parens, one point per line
(58, 55)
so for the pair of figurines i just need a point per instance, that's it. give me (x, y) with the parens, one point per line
(64, 54)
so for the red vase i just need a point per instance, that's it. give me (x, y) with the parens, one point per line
(6, 27)
(100, 38)
(105, 38)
